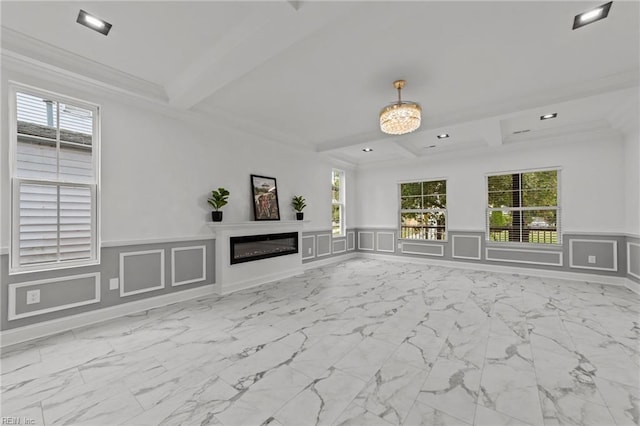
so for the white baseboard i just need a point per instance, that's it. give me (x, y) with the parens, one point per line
(329, 261)
(543, 273)
(48, 328)
(264, 279)
(632, 285)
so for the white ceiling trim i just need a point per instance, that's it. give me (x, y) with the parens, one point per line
(82, 67)
(259, 38)
(625, 116)
(478, 150)
(571, 130)
(25, 66)
(287, 139)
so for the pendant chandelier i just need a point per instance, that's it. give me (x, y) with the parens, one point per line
(400, 117)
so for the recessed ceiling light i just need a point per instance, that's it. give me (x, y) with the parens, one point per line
(592, 15)
(93, 22)
(548, 116)
(367, 149)
(443, 136)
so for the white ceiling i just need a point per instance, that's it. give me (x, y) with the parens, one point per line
(314, 74)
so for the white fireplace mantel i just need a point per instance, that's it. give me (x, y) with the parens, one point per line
(253, 226)
(230, 278)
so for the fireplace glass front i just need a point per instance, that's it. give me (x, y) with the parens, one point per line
(255, 247)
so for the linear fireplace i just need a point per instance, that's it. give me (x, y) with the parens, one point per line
(255, 247)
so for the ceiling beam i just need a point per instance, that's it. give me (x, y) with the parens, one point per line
(492, 132)
(404, 151)
(257, 39)
(351, 140)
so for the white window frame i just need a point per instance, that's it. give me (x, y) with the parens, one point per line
(340, 203)
(557, 208)
(444, 211)
(14, 252)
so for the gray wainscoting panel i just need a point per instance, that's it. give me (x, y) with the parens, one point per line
(593, 254)
(365, 240)
(633, 259)
(466, 246)
(351, 241)
(386, 241)
(55, 294)
(339, 246)
(536, 257)
(141, 271)
(188, 265)
(422, 249)
(323, 245)
(68, 295)
(308, 247)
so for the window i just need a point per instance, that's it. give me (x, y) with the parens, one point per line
(54, 181)
(337, 201)
(423, 210)
(523, 207)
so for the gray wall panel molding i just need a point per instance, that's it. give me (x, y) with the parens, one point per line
(188, 265)
(633, 259)
(597, 254)
(463, 246)
(351, 241)
(339, 246)
(385, 241)
(422, 248)
(141, 272)
(83, 289)
(109, 271)
(308, 247)
(366, 240)
(323, 245)
(466, 246)
(526, 256)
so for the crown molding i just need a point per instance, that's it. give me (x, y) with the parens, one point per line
(625, 116)
(250, 126)
(26, 66)
(15, 43)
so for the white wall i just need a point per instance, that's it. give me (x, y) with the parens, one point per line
(157, 171)
(592, 189)
(632, 182)
(351, 195)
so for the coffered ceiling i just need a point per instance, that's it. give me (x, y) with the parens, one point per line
(314, 74)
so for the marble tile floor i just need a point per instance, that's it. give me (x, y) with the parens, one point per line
(363, 342)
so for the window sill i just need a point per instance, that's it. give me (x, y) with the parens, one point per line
(52, 267)
(506, 244)
(408, 240)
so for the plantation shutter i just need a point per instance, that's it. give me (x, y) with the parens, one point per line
(38, 223)
(55, 182)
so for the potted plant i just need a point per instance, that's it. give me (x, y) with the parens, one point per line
(298, 203)
(217, 201)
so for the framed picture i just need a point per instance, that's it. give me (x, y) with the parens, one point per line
(265, 198)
